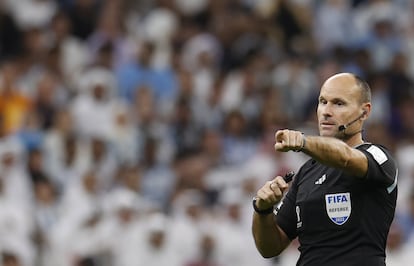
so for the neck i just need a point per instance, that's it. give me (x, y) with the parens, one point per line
(353, 139)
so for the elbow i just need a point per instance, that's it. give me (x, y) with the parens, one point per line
(354, 163)
(344, 161)
(269, 253)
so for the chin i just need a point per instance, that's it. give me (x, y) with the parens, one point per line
(326, 133)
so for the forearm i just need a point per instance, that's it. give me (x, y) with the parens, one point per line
(336, 153)
(268, 237)
(328, 151)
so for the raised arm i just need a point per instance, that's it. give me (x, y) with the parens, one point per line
(269, 237)
(327, 150)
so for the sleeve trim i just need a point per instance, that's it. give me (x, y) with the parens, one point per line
(393, 185)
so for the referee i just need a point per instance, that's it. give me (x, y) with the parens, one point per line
(342, 201)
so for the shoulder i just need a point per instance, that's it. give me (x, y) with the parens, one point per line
(382, 167)
(377, 152)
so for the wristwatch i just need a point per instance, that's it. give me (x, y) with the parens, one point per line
(261, 212)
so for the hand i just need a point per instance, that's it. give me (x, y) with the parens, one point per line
(271, 193)
(288, 140)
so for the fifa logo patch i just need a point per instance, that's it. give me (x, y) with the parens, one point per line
(338, 207)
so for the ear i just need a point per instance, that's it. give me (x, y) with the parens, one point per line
(366, 109)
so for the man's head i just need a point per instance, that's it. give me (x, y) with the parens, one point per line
(345, 99)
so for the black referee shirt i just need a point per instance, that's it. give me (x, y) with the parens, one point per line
(341, 220)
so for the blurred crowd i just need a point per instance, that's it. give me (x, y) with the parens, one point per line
(137, 132)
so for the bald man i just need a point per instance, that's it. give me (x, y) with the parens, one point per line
(341, 203)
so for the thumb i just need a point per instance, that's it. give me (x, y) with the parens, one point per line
(278, 146)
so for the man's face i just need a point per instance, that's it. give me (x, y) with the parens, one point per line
(339, 104)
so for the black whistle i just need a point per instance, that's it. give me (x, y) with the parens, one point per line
(289, 176)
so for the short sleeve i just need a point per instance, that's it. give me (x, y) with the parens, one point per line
(382, 168)
(286, 214)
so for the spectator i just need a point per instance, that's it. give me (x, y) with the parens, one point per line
(155, 98)
(14, 106)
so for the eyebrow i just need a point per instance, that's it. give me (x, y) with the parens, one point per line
(337, 99)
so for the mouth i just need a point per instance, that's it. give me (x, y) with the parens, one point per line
(327, 125)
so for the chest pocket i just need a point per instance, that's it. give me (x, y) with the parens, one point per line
(328, 202)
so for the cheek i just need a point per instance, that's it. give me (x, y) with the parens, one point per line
(318, 111)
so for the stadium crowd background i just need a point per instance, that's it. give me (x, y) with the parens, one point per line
(137, 132)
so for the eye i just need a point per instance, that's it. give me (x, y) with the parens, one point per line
(339, 102)
(322, 101)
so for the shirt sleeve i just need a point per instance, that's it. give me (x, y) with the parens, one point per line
(286, 214)
(382, 168)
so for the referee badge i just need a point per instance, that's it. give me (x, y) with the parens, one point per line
(338, 207)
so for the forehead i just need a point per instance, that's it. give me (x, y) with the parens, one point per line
(341, 87)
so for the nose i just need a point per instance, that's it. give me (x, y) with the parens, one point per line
(325, 110)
